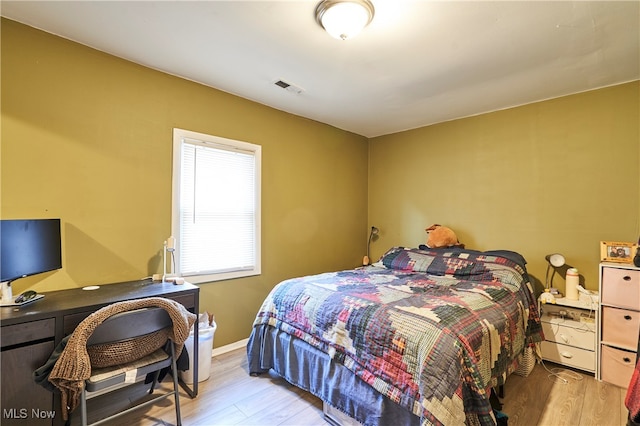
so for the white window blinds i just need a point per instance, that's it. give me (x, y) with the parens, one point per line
(218, 208)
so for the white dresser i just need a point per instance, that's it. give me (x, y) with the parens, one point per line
(570, 332)
(619, 325)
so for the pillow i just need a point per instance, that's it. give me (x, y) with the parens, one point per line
(419, 260)
(407, 259)
(507, 254)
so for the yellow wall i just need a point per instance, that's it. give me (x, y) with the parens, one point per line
(554, 176)
(87, 138)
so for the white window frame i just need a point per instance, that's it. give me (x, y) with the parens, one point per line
(180, 135)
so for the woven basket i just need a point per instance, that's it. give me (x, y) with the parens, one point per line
(109, 354)
(527, 362)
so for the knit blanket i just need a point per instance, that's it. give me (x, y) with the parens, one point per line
(74, 366)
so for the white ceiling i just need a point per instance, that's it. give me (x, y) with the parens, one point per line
(417, 63)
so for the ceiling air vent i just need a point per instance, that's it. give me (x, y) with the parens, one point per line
(289, 87)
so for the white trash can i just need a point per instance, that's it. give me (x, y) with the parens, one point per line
(205, 348)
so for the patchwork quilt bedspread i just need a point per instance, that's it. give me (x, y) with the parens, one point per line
(431, 330)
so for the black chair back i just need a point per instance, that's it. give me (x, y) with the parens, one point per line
(130, 324)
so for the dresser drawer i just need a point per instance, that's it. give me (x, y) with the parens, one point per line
(569, 355)
(617, 366)
(186, 300)
(621, 287)
(28, 332)
(620, 327)
(577, 334)
(70, 322)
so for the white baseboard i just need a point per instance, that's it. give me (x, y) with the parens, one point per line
(230, 347)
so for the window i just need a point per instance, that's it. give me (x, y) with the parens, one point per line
(216, 207)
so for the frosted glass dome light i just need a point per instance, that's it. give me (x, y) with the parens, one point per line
(344, 19)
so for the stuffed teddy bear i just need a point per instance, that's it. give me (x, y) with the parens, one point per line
(441, 236)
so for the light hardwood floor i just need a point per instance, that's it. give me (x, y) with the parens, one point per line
(231, 397)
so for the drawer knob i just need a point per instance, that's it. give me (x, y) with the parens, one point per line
(566, 354)
(626, 359)
(564, 338)
(627, 317)
(627, 278)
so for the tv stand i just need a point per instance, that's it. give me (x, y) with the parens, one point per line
(31, 332)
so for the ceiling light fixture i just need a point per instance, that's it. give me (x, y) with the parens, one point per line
(344, 19)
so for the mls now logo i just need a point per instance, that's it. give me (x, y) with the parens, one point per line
(23, 413)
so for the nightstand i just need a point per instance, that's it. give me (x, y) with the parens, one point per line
(619, 325)
(570, 331)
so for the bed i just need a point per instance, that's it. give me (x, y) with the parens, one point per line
(420, 337)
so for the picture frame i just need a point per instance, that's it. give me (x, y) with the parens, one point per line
(616, 251)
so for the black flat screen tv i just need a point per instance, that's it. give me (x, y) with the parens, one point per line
(29, 247)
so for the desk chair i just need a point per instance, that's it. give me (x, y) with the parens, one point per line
(125, 333)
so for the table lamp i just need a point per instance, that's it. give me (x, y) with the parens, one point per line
(556, 260)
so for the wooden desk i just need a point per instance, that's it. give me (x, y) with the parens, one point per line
(30, 333)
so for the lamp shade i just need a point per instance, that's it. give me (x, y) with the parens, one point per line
(555, 259)
(344, 19)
